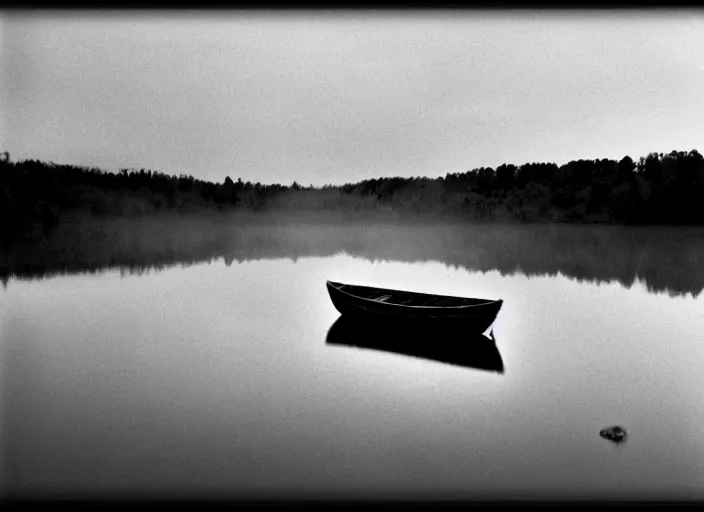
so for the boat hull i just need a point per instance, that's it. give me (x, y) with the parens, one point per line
(474, 318)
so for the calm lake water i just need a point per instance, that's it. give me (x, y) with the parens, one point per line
(215, 379)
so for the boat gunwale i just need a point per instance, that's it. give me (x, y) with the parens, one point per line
(375, 301)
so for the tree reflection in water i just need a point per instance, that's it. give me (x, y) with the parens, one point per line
(665, 259)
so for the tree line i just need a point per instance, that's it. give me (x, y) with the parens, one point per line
(656, 189)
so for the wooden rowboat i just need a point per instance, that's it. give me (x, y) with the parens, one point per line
(381, 304)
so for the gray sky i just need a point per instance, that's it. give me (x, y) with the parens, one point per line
(343, 96)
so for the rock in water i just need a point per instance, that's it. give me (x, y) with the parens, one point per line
(616, 434)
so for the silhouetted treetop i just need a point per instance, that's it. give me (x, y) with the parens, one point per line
(658, 188)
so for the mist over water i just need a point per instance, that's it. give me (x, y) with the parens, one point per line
(186, 358)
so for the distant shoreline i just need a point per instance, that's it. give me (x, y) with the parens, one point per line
(659, 189)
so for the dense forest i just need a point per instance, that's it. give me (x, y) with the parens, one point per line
(657, 189)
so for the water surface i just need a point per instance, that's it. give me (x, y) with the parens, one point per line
(215, 379)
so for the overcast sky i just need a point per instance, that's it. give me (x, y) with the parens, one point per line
(343, 96)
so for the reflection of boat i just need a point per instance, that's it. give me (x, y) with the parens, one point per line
(422, 341)
(475, 315)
